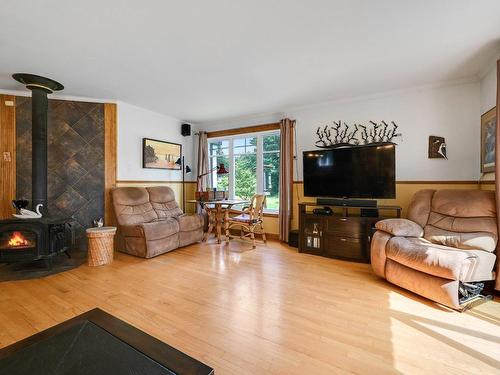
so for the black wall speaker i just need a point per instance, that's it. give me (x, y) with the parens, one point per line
(186, 130)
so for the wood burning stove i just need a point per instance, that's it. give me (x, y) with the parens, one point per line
(28, 240)
(41, 238)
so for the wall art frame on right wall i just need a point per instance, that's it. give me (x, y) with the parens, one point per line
(488, 140)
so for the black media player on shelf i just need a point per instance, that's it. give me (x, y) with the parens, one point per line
(323, 211)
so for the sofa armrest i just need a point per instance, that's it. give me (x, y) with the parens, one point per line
(400, 227)
(190, 222)
(133, 230)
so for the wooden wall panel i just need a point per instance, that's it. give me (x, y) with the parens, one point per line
(110, 145)
(7, 154)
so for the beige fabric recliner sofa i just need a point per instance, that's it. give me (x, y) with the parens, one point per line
(449, 238)
(151, 223)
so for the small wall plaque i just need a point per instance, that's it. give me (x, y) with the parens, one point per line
(6, 157)
(437, 147)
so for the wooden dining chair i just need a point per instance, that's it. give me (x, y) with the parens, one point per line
(249, 220)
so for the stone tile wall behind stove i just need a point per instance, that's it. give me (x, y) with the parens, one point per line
(75, 160)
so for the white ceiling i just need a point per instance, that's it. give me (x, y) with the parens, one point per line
(213, 59)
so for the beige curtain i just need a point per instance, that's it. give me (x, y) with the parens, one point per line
(497, 174)
(202, 166)
(286, 163)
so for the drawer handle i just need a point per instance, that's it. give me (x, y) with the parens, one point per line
(343, 239)
(343, 219)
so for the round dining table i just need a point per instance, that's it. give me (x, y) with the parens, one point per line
(218, 213)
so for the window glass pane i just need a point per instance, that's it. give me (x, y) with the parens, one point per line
(245, 179)
(218, 148)
(220, 182)
(271, 177)
(245, 145)
(271, 142)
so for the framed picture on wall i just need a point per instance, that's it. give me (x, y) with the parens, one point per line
(160, 154)
(488, 140)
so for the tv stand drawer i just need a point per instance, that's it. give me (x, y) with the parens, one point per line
(342, 247)
(345, 226)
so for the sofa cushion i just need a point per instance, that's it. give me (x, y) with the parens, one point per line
(160, 229)
(486, 241)
(163, 202)
(464, 203)
(132, 206)
(420, 206)
(441, 261)
(463, 224)
(400, 227)
(190, 222)
(464, 219)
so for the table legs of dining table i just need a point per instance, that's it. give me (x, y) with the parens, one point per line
(217, 216)
(218, 223)
(226, 225)
(214, 222)
(211, 220)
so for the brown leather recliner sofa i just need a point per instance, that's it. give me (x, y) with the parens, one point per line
(151, 223)
(448, 242)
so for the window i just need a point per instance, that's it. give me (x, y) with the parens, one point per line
(219, 154)
(253, 162)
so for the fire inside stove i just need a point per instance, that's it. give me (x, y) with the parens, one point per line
(17, 240)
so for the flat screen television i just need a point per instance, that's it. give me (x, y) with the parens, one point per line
(351, 172)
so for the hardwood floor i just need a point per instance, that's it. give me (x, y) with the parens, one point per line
(265, 311)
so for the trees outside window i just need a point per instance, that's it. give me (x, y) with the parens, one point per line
(253, 162)
(271, 169)
(245, 167)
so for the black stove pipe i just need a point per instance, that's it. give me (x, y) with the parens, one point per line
(40, 87)
(39, 108)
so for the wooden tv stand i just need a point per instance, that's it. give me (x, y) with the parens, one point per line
(344, 235)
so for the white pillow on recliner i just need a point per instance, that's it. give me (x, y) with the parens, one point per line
(400, 227)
